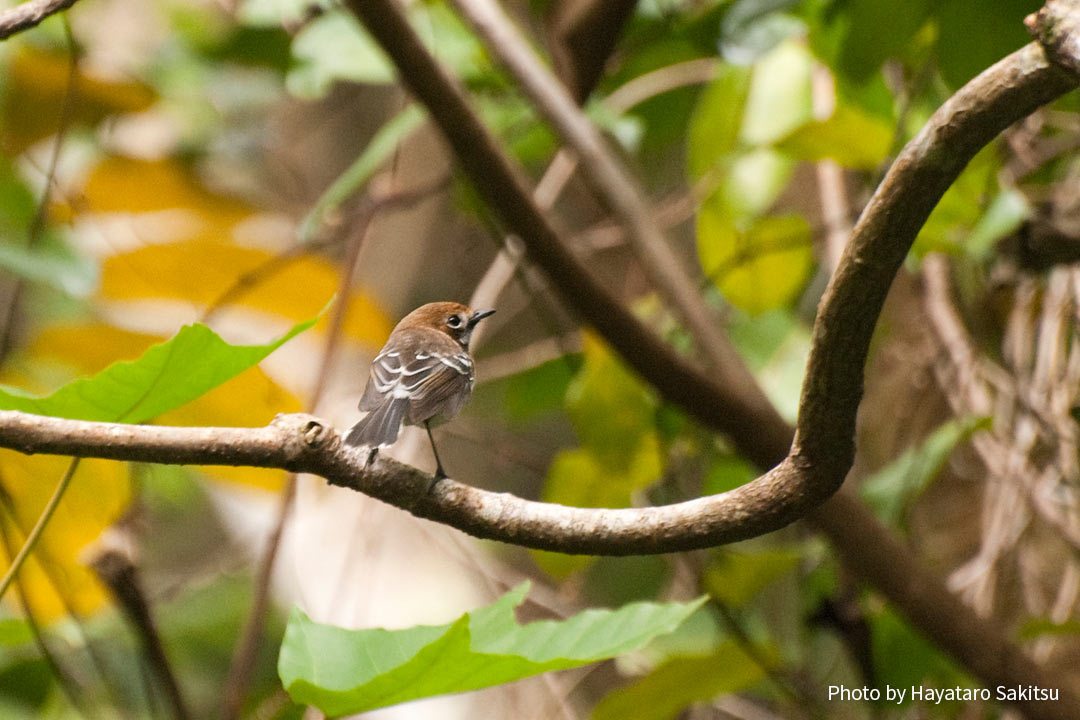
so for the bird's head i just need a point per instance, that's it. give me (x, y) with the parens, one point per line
(454, 319)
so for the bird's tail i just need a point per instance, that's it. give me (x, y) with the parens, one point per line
(381, 426)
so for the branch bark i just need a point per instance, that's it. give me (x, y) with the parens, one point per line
(29, 14)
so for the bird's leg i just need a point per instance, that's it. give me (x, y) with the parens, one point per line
(371, 456)
(439, 472)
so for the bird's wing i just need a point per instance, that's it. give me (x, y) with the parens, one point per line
(432, 382)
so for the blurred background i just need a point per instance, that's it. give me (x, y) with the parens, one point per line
(245, 163)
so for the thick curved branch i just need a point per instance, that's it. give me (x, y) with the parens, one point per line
(303, 443)
(824, 445)
(29, 14)
(1003, 94)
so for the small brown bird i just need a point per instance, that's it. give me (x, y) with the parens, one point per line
(422, 376)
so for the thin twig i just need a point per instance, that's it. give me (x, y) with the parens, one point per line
(66, 682)
(39, 527)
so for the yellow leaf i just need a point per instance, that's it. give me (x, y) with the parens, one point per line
(297, 292)
(760, 269)
(98, 494)
(250, 399)
(35, 84)
(88, 349)
(121, 184)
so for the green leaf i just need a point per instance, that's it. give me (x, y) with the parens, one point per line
(611, 408)
(960, 208)
(169, 374)
(727, 473)
(681, 682)
(904, 658)
(378, 149)
(779, 99)
(876, 30)
(351, 671)
(757, 270)
(759, 338)
(540, 389)
(966, 48)
(1007, 212)
(28, 682)
(714, 126)
(263, 13)
(851, 137)
(888, 490)
(752, 182)
(15, 632)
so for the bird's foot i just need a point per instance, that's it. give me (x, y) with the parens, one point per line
(440, 474)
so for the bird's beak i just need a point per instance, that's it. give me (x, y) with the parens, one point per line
(479, 315)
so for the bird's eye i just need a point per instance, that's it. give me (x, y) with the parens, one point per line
(454, 321)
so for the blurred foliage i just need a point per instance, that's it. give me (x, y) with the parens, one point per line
(176, 127)
(681, 682)
(893, 487)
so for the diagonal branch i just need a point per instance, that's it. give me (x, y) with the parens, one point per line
(29, 14)
(612, 184)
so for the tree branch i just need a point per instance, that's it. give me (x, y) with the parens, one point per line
(29, 14)
(617, 189)
(583, 35)
(303, 443)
